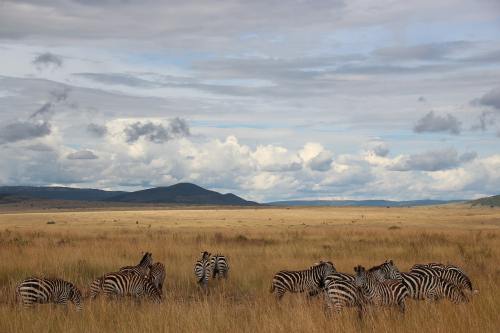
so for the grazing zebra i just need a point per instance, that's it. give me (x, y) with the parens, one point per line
(202, 269)
(388, 292)
(219, 266)
(123, 284)
(157, 275)
(450, 273)
(142, 268)
(341, 292)
(422, 287)
(312, 279)
(40, 290)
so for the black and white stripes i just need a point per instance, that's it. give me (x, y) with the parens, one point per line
(312, 279)
(121, 284)
(202, 269)
(42, 290)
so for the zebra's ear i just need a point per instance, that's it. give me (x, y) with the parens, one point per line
(390, 262)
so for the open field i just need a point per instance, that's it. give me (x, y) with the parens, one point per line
(81, 245)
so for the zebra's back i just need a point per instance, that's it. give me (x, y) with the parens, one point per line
(202, 271)
(123, 284)
(43, 290)
(219, 266)
(450, 273)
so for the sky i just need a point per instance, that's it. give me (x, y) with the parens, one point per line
(270, 100)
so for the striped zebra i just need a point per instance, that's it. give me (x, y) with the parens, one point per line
(422, 287)
(157, 275)
(219, 266)
(142, 268)
(41, 290)
(121, 284)
(450, 273)
(202, 269)
(340, 291)
(312, 279)
(380, 293)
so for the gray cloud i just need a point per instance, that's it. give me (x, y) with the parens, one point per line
(56, 97)
(20, 131)
(97, 130)
(322, 162)
(39, 147)
(485, 120)
(432, 51)
(157, 133)
(82, 155)
(436, 123)
(47, 60)
(491, 99)
(119, 79)
(381, 150)
(433, 160)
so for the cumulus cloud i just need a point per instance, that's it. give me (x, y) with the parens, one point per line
(432, 122)
(23, 130)
(157, 133)
(432, 160)
(97, 130)
(48, 59)
(321, 162)
(82, 155)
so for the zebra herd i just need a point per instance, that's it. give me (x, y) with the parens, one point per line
(382, 285)
(145, 279)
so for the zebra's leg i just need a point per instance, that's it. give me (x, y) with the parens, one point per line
(402, 306)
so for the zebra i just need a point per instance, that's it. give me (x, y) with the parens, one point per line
(450, 273)
(142, 268)
(129, 284)
(157, 275)
(422, 287)
(202, 269)
(42, 290)
(376, 292)
(340, 291)
(312, 279)
(219, 266)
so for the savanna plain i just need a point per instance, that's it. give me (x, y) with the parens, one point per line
(81, 244)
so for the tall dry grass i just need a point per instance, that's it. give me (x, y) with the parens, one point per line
(81, 252)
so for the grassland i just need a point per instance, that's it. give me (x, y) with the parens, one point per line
(81, 245)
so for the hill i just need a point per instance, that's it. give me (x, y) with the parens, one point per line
(182, 193)
(361, 203)
(57, 193)
(487, 201)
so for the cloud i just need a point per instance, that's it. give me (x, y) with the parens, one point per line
(157, 133)
(47, 59)
(427, 52)
(321, 162)
(56, 97)
(491, 99)
(485, 120)
(118, 79)
(435, 123)
(82, 155)
(381, 150)
(97, 130)
(432, 160)
(23, 130)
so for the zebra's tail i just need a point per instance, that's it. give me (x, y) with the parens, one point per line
(271, 290)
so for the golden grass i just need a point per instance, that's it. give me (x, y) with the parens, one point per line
(82, 245)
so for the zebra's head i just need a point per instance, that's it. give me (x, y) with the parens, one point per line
(327, 267)
(360, 278)
(147, 260)
(205, 255)
(76, 297)
(386, 271)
